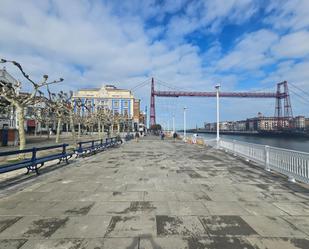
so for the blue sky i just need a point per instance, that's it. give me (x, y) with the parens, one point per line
(245, 45)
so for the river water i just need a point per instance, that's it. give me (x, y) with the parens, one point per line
(300, 144)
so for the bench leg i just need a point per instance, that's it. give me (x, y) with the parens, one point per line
(28, 170)
(36, 170)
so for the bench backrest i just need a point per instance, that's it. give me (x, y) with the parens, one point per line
(96, 142)
(33, 150)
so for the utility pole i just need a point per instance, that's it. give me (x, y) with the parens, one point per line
(146, 114)
(184, 123)
(218, 114)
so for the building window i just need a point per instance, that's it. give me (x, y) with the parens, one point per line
(116, 104)
(125, 103)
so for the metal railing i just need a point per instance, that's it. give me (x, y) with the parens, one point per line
(294, 164)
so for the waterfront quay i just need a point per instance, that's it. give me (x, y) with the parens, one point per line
(155, 194)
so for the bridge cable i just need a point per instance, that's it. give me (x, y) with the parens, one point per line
(140, 85)
(300, 96)
(304, 92)
(164, 83)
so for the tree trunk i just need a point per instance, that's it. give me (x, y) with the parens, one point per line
(47, 130)
(36, 128)
(102, 129)
(58, 130)
(99, 128)
(21, 130)
(78, 130)
(118, 128)
(112, 130)
(40, 125)
(73, 129)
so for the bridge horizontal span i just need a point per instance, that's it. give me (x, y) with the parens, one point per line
(221, 94)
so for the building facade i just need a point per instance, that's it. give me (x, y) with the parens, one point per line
(8, 115)
(118, 100)
(261, 123)
(300, 122)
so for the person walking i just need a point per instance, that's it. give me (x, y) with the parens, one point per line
(137, 136)
(162, 135)
(174, 136)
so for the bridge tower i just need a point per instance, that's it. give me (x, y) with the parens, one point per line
(283, 110)
(152, 105)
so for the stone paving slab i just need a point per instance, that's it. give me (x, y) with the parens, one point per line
(155, 195)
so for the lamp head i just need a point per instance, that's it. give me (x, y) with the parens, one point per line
(217, 86)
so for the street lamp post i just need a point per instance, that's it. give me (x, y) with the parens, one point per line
(218, 114)
(184, 123)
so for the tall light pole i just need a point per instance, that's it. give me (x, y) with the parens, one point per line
(184, 123)
(218, 114)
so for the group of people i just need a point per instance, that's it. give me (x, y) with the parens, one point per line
(162, 135)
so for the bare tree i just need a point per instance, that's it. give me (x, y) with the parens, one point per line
(10, 92)
(44, 115)
(62, 105)
(80, 114)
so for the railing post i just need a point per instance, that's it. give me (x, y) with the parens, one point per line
(267, 158)
(234, 152)
(33, 158)
(92, 144)
(63, 149)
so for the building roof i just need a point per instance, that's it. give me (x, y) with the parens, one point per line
(107, 87)
(4, 74)
(89, 89)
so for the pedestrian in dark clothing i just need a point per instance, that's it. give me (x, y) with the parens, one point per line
(162, 135)
(174, 136)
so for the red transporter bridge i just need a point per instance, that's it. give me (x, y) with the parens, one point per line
(281, 96)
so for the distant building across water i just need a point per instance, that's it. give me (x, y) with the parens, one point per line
(262, 123)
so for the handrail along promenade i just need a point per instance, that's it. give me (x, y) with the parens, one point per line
(294, 164)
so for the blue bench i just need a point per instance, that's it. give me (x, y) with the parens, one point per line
(93, 146)
(31, 163)
(90, 146)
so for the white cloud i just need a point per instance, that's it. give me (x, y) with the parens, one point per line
(209, 16)
(90, 43)
(250, 53)
(288, 14)
(293, 45)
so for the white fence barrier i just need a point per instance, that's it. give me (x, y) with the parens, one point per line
(294, 164)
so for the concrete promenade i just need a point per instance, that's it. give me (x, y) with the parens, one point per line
(156, 195)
